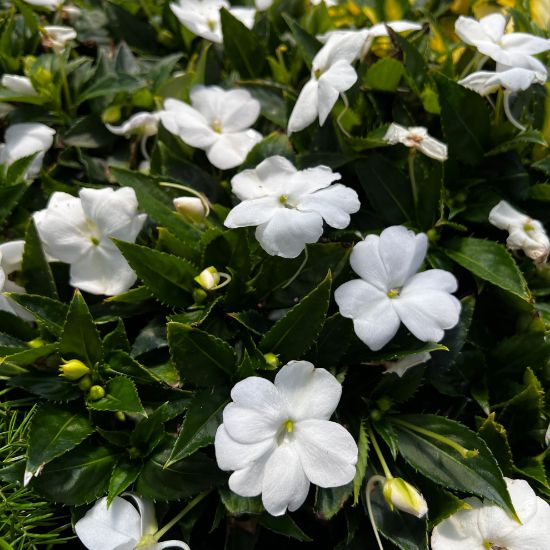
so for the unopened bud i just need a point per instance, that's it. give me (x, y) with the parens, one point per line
(73, 369)
(36, 343)
(208, 278)
(120, 416)
(403, 496)
(272, 360)
(143, 98)
(111, 114)
(190, 207)
(96, 392)
(85, 383)
(42, 77)
(199, 295)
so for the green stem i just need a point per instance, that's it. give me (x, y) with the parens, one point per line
(302, 265)
(465, 453)
(412, 177)
(498, 107)
(384, 464)
(65, 84)
(368, 491)
(161, 532)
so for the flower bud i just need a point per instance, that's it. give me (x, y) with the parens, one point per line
(208, 278)
(36, 343)
(120, 416)
(73, 369)
(143, 99)
(190, 207)
(96, 392)
(199, 295)
(42, 77)
(272, 360)
(85, 383)
(111, 114)
(403, 496)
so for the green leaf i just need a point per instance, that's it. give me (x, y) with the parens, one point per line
(120, 395)
(332, 342)
(308, 45)
(237, 505)
(80, 337)
(242, 46)
(36, 272)
(328, 502)
(489, 261)
(362, 461)
(29, 356)
(519, 141)
(121, 363)
(10, 197)
(124, 474)
(273, 144)
(54, 431)
(168, 277)
(200, 424)
(201, 358)
(110, 84)
(465, 120)
(77, 477)
(387, 189)
(443, 464)
(47, 311)
(494, 434)
(283, 525)
(183, 479)
(292, 335)
(47, 386)
(117, 340)
(384, 75)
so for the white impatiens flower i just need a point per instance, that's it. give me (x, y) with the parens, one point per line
(20, 85)
(288, 206)
(26, 139)
(418, 138)
(57, 36)
(217, 121)
(513, 80)
(277, 437)
(331, 73)
(77, 231)
(486, 526)
(525, 233)
(11, 258)
(202, 17)
(122, 526)
(143, 123)
(510, 50)
(48, 4)
(401, 366)
(391, 292)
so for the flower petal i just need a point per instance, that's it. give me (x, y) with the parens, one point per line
(355, 298)
(433, 148)
(377, 327)
(247, 482)
(524, 43)
(146, 509)
(288, 232)
(327, 451)
(230, 150)
(251, 425)
(504, 215)
(11, 256)
(460, 531)
(432, 279)
(366, 261)
(308, 392)
(493, 25)
(334, 204)
(306, 107)
(252, 212)
(285, 484)
(232, 455)
(117, 526)
(471, 31)
(259, 394)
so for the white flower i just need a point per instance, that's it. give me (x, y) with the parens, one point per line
(289, 205)
(403, 496)
(48, 4)
(142, 123)
(77, 231)
(57, 36)
(488, 526)
(328, 3)
(525, 233)
(278, 437)
(202, 17)
(262, 5)
(11, 257)
(547, 436)
(401, 366)
(418, 138)
(391, 292)
(121, 526)
(511, 50)
(331, 74)
(20, 85)
(218, 122)
(25, 139)
(512, 80)
(192, 208)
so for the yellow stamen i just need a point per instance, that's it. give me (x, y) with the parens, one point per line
(393, 293)
(283, 199)
(289, 426)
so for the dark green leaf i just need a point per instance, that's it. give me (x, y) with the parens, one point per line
(48, 311)
(124, 474)
(328, 502)
(120, 395)
(10, 198)
(283, 525)
(48, 386)
(362, 460)
(384, 75)
(307, 45)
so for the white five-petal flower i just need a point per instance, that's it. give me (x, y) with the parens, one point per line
(416, 137)
(331, 73)
(512, 80)
(77, 231)
(391, 292)
(11, 258)
(122, 526)
(509, 50)
(288, 206)
(525, 233)
(488, 526)
(202, 17)
(278, 439)
(17, 84)
(25, 139)
(142, 123)
(217, 121)
(57, 36)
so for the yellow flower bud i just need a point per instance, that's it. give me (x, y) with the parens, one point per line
(208, 278)
(96, 392)
(111, 114)
(73, 369)
(403, 496)
(36, 343)
(191, 207)
(272, 360)
(85, 383)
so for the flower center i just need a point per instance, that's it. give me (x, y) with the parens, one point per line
(211, 24)
(289, 426)
(318, 74)
(490, 546)
(528, 227)
(283, 199)
(217, 126)
(393, 292)
(285, 431)
(415, 138)
(95, 240)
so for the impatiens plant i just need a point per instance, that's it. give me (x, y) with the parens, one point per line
(274, 274)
